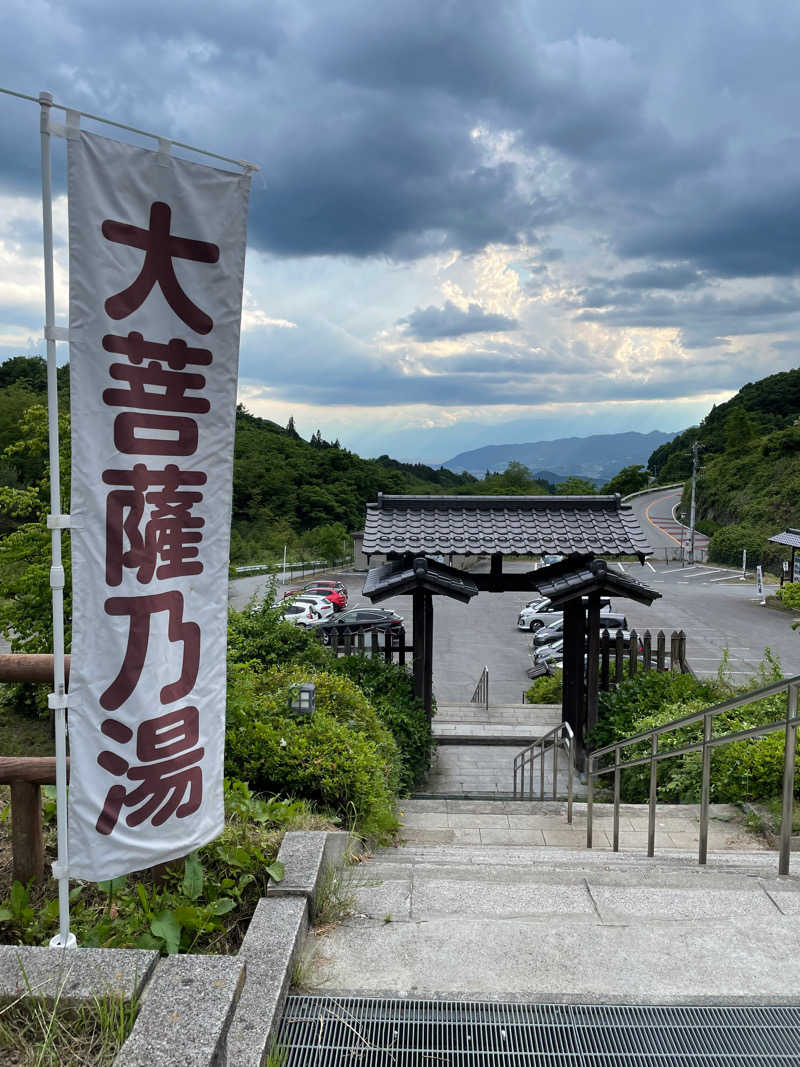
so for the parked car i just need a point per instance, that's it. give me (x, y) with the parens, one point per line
(540, 612)
(300, 614)
(554, 652)
(609, 620)
(320, 604)
(334, 591)
(358, 620)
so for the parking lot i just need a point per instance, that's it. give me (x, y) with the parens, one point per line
(715, 608)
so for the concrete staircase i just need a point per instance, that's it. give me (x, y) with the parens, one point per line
(476, 748)
(478, 902)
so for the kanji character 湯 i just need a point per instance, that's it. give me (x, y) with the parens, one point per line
(165, 747)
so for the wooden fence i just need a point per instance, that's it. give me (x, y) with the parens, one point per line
(389, 645)
(618, 662)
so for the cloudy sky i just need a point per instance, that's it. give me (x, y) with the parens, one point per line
(475, 222)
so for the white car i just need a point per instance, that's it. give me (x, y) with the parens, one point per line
(300, 614)
(540, 612)
(320, 604)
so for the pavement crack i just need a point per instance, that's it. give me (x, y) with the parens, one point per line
(591, 897)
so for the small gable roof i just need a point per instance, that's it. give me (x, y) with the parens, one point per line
(409, 574)
(569, 580)
(789, 537)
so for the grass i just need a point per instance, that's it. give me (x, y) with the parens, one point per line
(774, 805)
(335, 897)
(21, 735)
(35, 1033)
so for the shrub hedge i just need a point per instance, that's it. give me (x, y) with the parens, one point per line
(342, 756)
(390, 689)
(751, 769)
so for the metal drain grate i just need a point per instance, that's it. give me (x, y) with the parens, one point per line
(333, 1031)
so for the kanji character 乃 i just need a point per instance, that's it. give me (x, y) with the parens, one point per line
(139, 609)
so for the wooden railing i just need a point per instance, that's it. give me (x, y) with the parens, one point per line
(26, 775)
(618, 662)
(389, 645)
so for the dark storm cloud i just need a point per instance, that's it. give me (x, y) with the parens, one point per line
(362, 118)
(433, 323)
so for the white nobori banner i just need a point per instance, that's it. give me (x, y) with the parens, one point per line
(156, 254)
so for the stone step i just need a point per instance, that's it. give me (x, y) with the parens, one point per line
(486, 769)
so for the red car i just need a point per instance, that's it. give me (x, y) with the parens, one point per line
(333, 591)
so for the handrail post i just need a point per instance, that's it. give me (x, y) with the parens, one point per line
(541, 773)
(570, 776)
(530, 778)
(788, 781)
(705, 788)
(555, 766)
(651, 813)
(589, 798)
(616, 797)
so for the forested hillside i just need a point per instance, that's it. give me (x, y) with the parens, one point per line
(749, 481)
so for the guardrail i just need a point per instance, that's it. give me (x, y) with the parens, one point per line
(560, 736)
(788, 724)
(481, 694)
(304, 567)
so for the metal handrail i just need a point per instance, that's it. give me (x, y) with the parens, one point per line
(790, 722)
(481, 694)
(560, 736)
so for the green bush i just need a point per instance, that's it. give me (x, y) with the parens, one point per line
(390, 690)
(728, 542)
(545, 690)
(742, 770)
(259, 635)
(789, 595)
(341, 756)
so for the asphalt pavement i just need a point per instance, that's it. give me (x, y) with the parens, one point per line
(712, 604)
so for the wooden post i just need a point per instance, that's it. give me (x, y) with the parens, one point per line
(27, 845)
(572, 701)
(674, 652)
(401, 655)
(375, 649)
(428, 674)
(647, 650)
(633, 653)
(605, 643)
(418, 638)
(619, 659)
(593, 659)
(496, 573)
(661, 645)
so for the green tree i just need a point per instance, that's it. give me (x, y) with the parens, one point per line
(628, 480)
(574, 486)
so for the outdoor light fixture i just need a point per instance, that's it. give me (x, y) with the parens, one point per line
(302, 698)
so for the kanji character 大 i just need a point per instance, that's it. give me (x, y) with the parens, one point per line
(165, 747)
(139, 609)
(171, 533)
(160, 248)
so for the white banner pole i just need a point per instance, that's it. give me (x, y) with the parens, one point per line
(57, 700)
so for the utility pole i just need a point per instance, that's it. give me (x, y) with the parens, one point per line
(695, 450)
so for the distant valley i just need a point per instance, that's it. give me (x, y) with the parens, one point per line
(598, 457)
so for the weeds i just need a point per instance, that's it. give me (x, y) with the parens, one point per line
(335, 897)
(35, 1032)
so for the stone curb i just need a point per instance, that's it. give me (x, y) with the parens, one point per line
(73, 975)
(201, 1010)
(186, 1010)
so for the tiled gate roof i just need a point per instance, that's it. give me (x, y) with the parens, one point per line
(478, 525)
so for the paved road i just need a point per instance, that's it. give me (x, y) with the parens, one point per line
(656, 514)
(715, 608)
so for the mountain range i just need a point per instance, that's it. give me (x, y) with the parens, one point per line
(599, 456)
